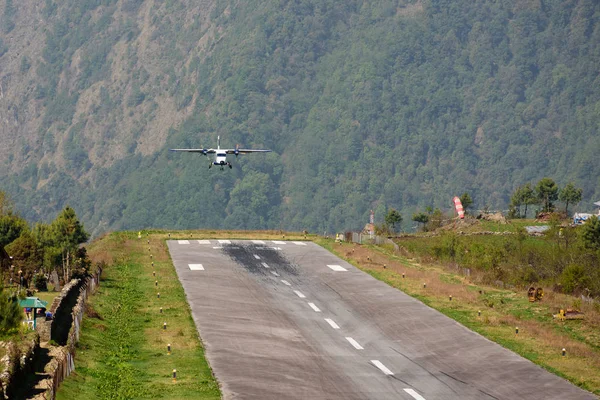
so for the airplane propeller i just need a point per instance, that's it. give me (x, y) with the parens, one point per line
(237, 150)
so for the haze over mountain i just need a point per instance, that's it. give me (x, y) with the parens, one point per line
(366, 105)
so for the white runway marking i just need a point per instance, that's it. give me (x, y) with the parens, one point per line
(300, 243)
(300, 294)
(274, 273)
(258, 242)
(183, 241)
(382, 367)
(278, 242)
(203, 241)
(332, 323)
(312, 305)
(268, 248)
(225, 241)
(217, 247)
(286, 283)
(337, 268)
(265, 265)
(354, 343)
(257, 257)
(196, 267)
(414, 394)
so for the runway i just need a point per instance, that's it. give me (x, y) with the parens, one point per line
(289, 320)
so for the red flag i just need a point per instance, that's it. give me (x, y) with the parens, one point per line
(459, 207)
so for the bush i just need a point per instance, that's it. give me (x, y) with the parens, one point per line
(40, 282)
(574, 278)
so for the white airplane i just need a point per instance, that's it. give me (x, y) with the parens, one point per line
(218, 156)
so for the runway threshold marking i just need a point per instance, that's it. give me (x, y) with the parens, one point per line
(286, 283)
(300, 243)
(203, 241)
(314, 307)
(258, 241)
(183, 241)
(257, 257)
(225, 241)
(274, 273)
(382, 367)
(265, 265)
(414, 394)
(337, 268)
(278, 242)
(196, 267)
(332, 323)
(354, 343)
(300, 294)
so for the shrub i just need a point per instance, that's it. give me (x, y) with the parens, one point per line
(573, 278)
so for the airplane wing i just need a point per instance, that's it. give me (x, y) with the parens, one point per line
(246, 151)
(202, 151)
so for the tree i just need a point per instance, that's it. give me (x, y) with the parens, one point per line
(10, 312)
(570, 194)
(67, 233)
(522, 196)
(546, 191)
(591, 233)
(392, 218)
(421, 218)
(26, 256)
(466, 201)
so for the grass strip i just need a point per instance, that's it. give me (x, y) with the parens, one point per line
(122, 353)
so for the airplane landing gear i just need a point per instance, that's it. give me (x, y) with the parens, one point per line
(210, 166)
(230, 166)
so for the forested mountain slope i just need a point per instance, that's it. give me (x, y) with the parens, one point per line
(366, 105)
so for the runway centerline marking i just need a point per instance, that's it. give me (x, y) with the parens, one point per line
(414, 394)
(217, 247)
(258, 241)
(225, 241)
(278, 242)
(265, 265)
(183, 241)
(300, 243)
(337, 268)
(332, 323)
(300, 294)
(354, 343)
(196, 267)
(382, 367)
(203, 241)
(274, 273)
(257, 257)
(314, 307)
(286, 283)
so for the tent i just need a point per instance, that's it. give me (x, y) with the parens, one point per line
(34, 303)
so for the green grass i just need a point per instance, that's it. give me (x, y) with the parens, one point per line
(123, 350)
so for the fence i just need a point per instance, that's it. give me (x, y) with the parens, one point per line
(65, 358)
(357, 237)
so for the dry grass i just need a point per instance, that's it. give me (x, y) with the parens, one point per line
(540, 339)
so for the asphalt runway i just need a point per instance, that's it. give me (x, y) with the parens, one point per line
(289, 320)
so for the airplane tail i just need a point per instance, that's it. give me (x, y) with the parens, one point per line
(218, 142)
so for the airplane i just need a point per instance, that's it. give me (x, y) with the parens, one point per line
(218, 156)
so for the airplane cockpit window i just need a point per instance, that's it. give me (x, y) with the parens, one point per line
(221, 155)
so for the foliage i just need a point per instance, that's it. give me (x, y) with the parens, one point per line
(10, 312)
(466, 201)
(393, 218)
(366, 106)
(570, 194)
(546, 192)
(40, 282)
(591, 232)
(574, 278)
(522, 196)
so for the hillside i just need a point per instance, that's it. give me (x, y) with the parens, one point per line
(367, 106)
